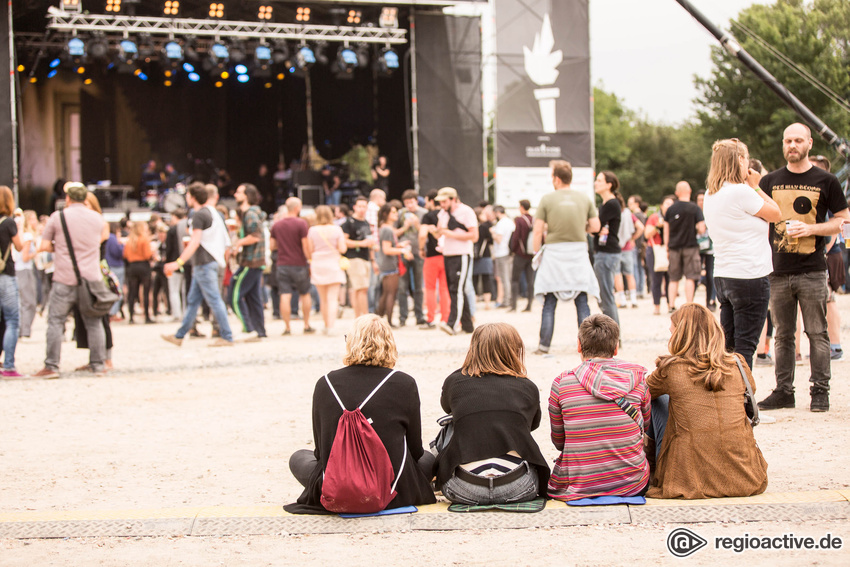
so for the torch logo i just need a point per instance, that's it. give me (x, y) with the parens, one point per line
(541, 65)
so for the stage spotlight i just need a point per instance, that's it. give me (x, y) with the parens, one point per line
(305, 58)
(194, 77)
(76, 48)
(54, 63)
(241, 69)
(242, 78)
(188, 67)
(146, 49)
(52, 73)
(265, 13)
(113, 6)
(237, 52)
(280, 54)
(140, 74)
(362, 55)
(128, 50)
(388, 18)
(71, 6)
(388, 61)
(171, 8)
(302, 14)
(280, 76)
(219, 54)
(87, 81)
(354, 17)
(216, 10)
(218, 84)
(98, 49)
(167, 83)
(268, 85)
(20, 68)
(173, 52)
(225, 75)
(346, 60)
(263, 54)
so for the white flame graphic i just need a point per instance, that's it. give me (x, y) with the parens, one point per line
(541, 65)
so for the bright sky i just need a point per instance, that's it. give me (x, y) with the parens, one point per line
(648, 51)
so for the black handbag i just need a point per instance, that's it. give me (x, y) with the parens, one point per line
(750, 406)
(94, 298)
(447, 429)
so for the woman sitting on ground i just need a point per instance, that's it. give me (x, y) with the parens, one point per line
(393, 410)
(706, 443)
(491, 457)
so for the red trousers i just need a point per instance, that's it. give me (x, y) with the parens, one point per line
(434, 272)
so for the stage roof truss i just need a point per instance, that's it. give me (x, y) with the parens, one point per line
(74, 23)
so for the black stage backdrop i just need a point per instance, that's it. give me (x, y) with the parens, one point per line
(6, 150)
(448, 65)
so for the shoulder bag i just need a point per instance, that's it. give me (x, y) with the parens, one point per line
(750, 406)
(94, 298)
(5, 257)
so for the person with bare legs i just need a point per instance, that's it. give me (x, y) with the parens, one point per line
(683, 221)
(289, 238)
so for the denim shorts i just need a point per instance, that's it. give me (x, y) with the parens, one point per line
(293, 279)
(523, 489)
(627, 263)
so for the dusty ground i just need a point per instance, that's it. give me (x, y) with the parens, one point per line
(196, 426)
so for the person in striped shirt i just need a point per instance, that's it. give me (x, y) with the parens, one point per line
(598, 413)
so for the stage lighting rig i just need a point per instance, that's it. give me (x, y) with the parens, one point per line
(264, 13)
(280, 53)
(388, 18)
(146, 49)
(113, 6)
(388, 62)
(98, 49)
(173, 53)
(219, 54)
(72, 6)
(76, 49)
(354, 17)
(237, 52)
(302, 14)
(171, 8)
(128, 51)
(216, 10)
(346, 61)
(305, 57)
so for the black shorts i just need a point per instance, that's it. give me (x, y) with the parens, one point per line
(293, 279)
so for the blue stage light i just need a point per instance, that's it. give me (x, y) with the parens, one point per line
(242, 78)
(188, 67)
(142, 76)
(55, 63)
(241, 69)
(194, 77)
(52, 73)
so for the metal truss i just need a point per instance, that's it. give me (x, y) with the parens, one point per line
(74, 23)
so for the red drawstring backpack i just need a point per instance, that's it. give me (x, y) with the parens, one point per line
(359, 476)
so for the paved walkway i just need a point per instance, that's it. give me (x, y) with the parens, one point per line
(264, 520)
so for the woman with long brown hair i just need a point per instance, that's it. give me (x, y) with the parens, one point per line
(138, 254)
(386, 258)
(491, 457)
(706, 447)
(9, 297)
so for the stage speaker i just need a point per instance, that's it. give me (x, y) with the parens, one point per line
(310, 195)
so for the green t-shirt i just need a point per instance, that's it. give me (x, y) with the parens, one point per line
(566, 213)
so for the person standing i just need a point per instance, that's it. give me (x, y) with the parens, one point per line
(87, 230)
(9, 300)
(458, 224)
(501, 253)
(248, 279)
(606, 242)
(638, 208)
(706, 258)
(289, 238)
(381, 175)
(25, 272)
(565, 273)
(138, 254)
(173, 248)
(737, 213)
(523, 250)
(206, 250)
(434, 271)
(805, 194)
(409, 220)
(326, 245)
(377, 199)
(683, 221)
(655, 237)
(359, 243)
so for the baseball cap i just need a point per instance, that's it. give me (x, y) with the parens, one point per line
(446, 193)
(76, 191)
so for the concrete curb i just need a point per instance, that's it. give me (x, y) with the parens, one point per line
(265, 520)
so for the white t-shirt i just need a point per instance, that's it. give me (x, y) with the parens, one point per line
(505, 228)
(464, 215)
(27, 239)
(741, 245)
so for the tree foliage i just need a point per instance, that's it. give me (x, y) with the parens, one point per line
(733, 102)
(649, 159)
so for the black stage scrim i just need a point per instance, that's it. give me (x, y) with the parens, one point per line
(448, 66)
(543, 107)
(7, 152)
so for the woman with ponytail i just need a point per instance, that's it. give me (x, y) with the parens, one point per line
(606, 244)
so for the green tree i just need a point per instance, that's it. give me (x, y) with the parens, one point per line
(735, 103)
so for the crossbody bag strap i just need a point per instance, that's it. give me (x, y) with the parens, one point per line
(322, 236)
(9, 249)
(70, 246)
(630, 410)
(749, 388)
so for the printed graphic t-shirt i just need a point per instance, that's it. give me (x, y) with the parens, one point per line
(804, 197)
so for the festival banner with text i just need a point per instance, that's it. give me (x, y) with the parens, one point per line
(543, 109)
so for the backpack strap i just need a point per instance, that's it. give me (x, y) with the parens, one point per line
(401, 468)
(630, 411)
(749, 393)
(378, 387)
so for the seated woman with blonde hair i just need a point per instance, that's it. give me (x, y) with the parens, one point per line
(391, 405)
(491, 457)
(706, 443)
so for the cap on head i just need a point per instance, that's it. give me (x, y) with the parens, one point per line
(446, 193)
(76, 191)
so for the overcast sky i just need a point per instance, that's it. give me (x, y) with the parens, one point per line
(648, 51)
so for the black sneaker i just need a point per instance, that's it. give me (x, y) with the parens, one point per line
(777, 400)
(820, 401)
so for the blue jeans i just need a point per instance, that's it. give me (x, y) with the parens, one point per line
(119, 274)
(547, 321)
(11, 315)
(640, 275)
(810, 291)
(605, 266)
(743, 310)
(658, 412)
(205, 286)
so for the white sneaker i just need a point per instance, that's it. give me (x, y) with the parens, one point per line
(445, 328)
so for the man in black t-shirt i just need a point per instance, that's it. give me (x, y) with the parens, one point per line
(684, 221)
(358, 238)
(804, 194)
